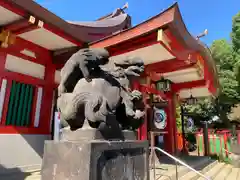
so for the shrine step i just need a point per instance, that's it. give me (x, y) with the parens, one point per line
(166, 169)
(215, 171)
(221, 171)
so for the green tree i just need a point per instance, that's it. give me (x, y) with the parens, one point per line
(236, 45)
(203, 110)
(227, 57)
(222, 53)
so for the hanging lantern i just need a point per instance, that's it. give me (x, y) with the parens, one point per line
(163, 85)
(191, 100)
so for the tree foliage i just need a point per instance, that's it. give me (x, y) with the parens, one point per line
(227, 57)
(236, 45)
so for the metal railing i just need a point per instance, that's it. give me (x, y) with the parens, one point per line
(180, 162)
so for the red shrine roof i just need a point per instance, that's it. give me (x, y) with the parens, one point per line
(167, 48)
(17, 14)
(95, 30)
(104, 26)
(81, 31)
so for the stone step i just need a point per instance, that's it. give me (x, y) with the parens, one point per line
(234, 174)
(193, 176)
(212, 173)
(170, 173)
(166, 174)
(225, 171)
(215, 171)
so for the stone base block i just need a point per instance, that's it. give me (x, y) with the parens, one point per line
(95, 160)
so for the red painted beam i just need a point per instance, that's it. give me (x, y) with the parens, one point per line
(21, 26)
(13, 26)
(26, 29)
(174, 42)
(23, 78)
(178, 50)
(137, 43)
(168, 66)
(181, 54)
(148, 89)
(23, 130)
(188, 85)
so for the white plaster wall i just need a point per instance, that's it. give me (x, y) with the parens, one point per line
(19, 65)
(57, 77)
(19, 153)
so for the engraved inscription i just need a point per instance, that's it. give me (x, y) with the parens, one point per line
(124, 164)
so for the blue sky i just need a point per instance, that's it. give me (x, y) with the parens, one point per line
(214, 15)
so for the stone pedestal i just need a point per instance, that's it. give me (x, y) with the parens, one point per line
(83, 159)
(235, 155)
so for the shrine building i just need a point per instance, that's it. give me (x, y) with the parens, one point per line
(35, 44)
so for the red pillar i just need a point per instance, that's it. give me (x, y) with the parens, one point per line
(3, 56)
(144, 128)
(46, 110)
(136, 86)
(170, 139)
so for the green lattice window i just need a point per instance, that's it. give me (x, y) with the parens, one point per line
(20, 104)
